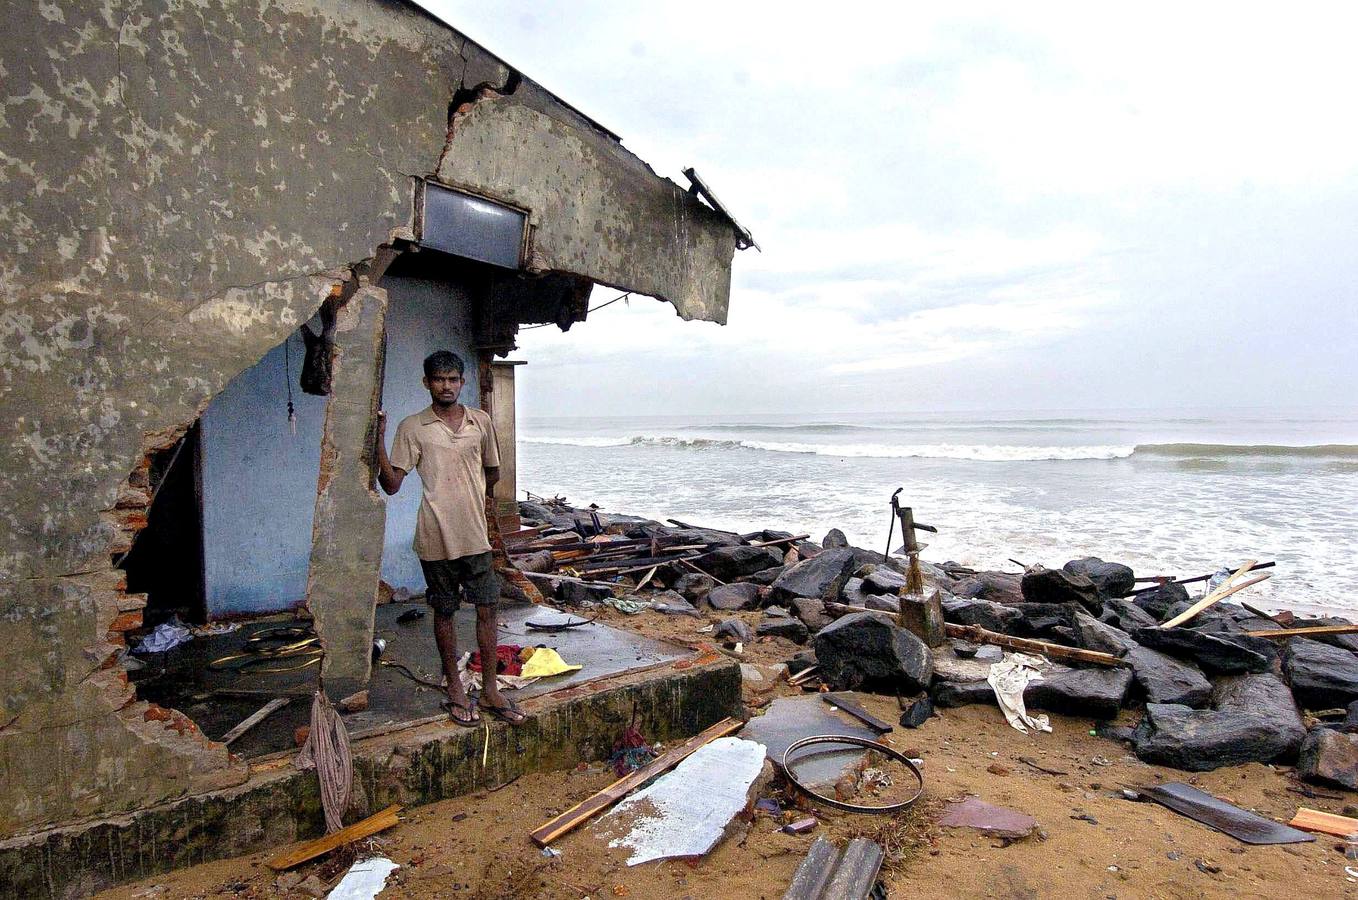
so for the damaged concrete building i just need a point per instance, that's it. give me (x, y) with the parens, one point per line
(182, 187)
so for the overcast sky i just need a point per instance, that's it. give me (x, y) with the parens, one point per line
(1015, 206)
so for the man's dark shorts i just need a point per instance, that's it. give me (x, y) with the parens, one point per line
(473, 575)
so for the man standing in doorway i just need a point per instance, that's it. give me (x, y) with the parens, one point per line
(454, 450)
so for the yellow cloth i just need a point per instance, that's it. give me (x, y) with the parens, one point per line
(546, 661)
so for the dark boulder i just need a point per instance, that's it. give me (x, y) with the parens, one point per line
(852, 593)
(1344, 641)
(784, 627)
(1092, 634)
(1097, 693)
(1350, 724)
(734, 596)
(988, 615)
(1321, 676)
(694, 586)
(1329, 757)
(834, 540)
(811, 612)
(1126, 615)
(1043, 619)
(801, 661)
(882, 602)
(961, 693)
(1042, 585)
(684, 537)
(918, 713)
(866, 649)
(764, 577)
(1164, 679)
(730, 563)
(1157, 601)
(997, 587)
(735, 629)
(1214, 653)
(821, 577)
(883, 581)
(1110, 579)
(1254, 720)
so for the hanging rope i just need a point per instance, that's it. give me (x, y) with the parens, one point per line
(287, 378)
(327, 749)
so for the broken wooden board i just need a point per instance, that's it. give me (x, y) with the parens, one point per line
(685, 813)
(1323, 822)
(255, 718)
(597, 803)
(829, 874)
(311, 849)
(845, 701)
(1201, 806)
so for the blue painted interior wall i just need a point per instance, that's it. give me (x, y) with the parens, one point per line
(423, 316)
(259, 479)
(259, 488)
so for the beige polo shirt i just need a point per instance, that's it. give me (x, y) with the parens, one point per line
(452, 518)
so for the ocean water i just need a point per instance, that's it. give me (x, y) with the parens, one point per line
(1168, 494)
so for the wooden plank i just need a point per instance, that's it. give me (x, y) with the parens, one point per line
(255, 718)
(787, 540)
(1284, 633)
(1220, 593)
(311, 849)
(592, 806)
(811, 877)
(857, 871)
(978, 635)
(1323, 822)
(848, 704)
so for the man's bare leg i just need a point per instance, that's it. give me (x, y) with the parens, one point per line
(487, 639)
(445, 636)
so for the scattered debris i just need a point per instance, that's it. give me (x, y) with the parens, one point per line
(1009, 678)
(364, 880)
(918, 713)
(1324, 823)
(829, 874)
(801, 826)
(851, 706)
(988, 819)
(1203, 807)
(165, 636)
(381, 821)
(1033, 764)
(685, 812)
(788, 767)
(255, 718)
(597, 803)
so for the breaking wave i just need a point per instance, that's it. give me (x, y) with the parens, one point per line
(979, 452)
(1200, 453)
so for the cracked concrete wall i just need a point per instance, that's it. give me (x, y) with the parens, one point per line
(182, 182)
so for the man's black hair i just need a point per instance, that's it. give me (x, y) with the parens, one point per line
(443, 361)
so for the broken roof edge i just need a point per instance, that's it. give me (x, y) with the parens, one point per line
(593, 122)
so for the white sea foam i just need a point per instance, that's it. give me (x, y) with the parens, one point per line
(977, 452)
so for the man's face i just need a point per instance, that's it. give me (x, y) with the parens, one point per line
(444, 387)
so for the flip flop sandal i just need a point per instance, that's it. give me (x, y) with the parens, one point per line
(508, 713)
(469, 720)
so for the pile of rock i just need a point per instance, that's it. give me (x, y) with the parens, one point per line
(1212, 694)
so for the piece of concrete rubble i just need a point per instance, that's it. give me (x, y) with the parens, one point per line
(922, 616)
(1329, 757)
(988, 819)
(686, 812)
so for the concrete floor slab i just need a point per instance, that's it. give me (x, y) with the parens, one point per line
(216, 700)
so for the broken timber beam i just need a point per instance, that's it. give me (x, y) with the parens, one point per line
(978, 635)
(255, 718)
(1281, 634)
(311, 849)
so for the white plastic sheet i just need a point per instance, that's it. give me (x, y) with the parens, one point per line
(1009, 677)
(685, 812)
(364, 880)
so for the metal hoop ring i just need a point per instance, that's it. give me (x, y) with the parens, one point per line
(857, 742)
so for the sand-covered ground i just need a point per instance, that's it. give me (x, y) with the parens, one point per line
(1092, 843)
